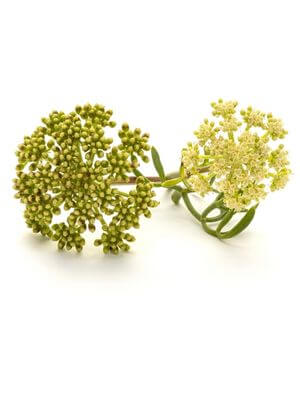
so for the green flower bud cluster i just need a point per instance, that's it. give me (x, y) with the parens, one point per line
(67, 236)
(128, 212)
(118, 164)
(134, 142)
(69, 164)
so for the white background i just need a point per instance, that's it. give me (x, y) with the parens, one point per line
(183, 315)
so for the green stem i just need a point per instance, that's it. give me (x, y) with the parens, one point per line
(190, 207)
(209, 156)
(79, 150)
(217, 204)
(230, 136)
(132, 180)
(240, 226)
(227, 217)
(122, 193)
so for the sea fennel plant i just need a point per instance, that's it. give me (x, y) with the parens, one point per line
(70, 164)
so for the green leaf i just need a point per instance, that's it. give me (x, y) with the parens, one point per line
(137, 172)
(227, 217)
(176, 196)
(171, 182)
(157, 163)
(240, 226)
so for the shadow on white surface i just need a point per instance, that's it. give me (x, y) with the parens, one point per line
(90, 262)
(170, 246)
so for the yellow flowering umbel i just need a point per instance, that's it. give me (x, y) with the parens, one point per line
(69, 163)
(237, 156)
(234, 157)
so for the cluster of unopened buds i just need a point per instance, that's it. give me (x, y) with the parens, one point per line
(70, 165)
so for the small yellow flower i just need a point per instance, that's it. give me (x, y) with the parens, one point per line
(253, 118)
(280, 179)
(275, 128)
(206, 131)
(190, 158)
(200, 184)
(278, 158)
(224, 109)
(230, 125)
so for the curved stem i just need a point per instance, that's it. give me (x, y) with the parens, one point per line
(191, 208)
(215, 204)
(217, 217)
(227, 217)
(208, 230)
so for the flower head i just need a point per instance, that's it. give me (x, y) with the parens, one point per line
(234, 158)
(69, 164)
(275, 128)
(206, 131)
(224, 109)
(253, 118)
